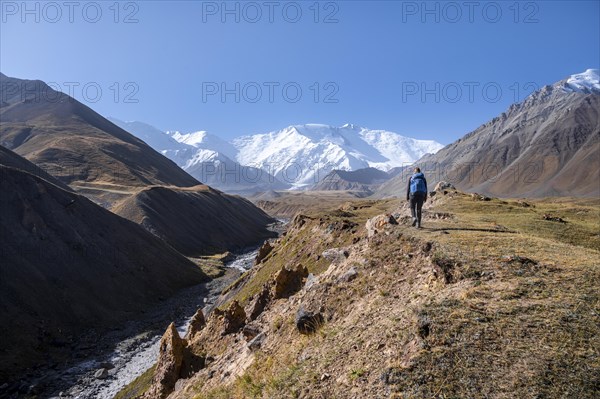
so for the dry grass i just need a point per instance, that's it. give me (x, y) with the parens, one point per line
(491, 302)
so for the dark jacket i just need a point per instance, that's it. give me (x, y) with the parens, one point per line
(416, 175)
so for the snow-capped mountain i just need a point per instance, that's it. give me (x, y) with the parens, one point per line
(545, 146)
(303, 154)
(586, 82)
(206, 157)
(294, 157)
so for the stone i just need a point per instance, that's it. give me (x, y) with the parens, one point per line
(197, 323)
(379, 223)
(250, 331)
(308, 322)
(101, 374)
(444, 185)
(325, 376)
(168, 366)
(350, 275)
(310, 281)
(234, 318)
(258, 303)
(263, 251)
(107, 365)
(289, 281)
(335, 254)
(256, 342)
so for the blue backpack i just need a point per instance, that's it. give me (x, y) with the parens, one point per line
(417, 183)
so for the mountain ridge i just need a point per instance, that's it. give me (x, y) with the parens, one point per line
(296, 156)
(546, 145)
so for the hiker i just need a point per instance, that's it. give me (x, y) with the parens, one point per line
(416, 193)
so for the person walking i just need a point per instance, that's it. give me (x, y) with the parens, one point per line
(416, 193)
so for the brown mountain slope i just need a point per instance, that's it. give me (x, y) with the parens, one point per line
(365, 180)
(68, 266)
(74, 143)
(9, 158)
(463, 308)
(198, 220)
(549, 145)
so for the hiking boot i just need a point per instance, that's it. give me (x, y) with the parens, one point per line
(414, 223)
(418, 225)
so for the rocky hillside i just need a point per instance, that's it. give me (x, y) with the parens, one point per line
(198, 220)
(491, 299)
(70, 267)
(547, 145)
(75, 144)
(362, 180)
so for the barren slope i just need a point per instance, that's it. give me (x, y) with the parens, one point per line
(75, 144)
(198, 220)
(69, 266)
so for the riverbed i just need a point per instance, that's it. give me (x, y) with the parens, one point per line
(138, 352)
(130, 349)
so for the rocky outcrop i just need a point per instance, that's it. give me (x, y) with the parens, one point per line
(168, 367)
(258, 303)
(176, 360)
(289, 281)
(234, 318)
(197, 323)
(263, 252)
(443, 185)
(379, 223)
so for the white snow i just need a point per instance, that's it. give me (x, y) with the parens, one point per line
(297, 155)
(303, 154)
(586, 82)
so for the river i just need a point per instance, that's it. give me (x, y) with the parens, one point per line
(133, 349)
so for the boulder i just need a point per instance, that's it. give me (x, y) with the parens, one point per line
(250, 331)
(379, 223)
(234, 318)
(258, 303)
(308, 322)
(444, 185)
(335, 254)
(263, 251)
(289, 281)
(101, 374)
(256, 342)
(350, 275)
(168, 366)
(197, 323)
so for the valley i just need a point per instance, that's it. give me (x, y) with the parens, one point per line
(491, 297)
(128, 271)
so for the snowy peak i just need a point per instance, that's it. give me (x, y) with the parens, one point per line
(203, 140)
(586, 82)
(296, 156)
(309, 152)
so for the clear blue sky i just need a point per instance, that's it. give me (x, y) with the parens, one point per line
(374, 58)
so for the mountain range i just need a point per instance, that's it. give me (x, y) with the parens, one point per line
(297, 156)
(547, 145)
(71, 267)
